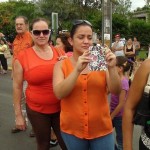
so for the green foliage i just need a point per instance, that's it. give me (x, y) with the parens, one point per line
(123, 7)
(69, 10)
(8, 15)
(141, 30)
(120, 25)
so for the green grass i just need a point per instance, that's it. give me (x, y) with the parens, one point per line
(142, 54)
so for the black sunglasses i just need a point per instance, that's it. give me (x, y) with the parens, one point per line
(78, 22)
(38, 32)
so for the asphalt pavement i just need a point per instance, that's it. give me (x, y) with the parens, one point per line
(8, 140)
(22, 141)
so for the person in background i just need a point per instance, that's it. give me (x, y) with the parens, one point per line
(130, 50)
(61, 46)
(35, 65)
(83, 94)
(118, 46)
(137, 46)
(3, 60)
(1, 35)
(118, 101)
(22, 41)
(51, 42)
(133, 99)
(62, 42)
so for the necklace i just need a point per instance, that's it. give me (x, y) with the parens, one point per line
(42, 49)
(45, 53)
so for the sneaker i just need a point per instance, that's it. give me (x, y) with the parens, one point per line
(15, 130)
(4, 71)
(53, 143)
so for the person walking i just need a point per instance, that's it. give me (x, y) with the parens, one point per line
(35, 65)
(22, 41)
(85, 116)
(117, 102)
(3, 60)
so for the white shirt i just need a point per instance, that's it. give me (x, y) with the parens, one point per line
(120, 52)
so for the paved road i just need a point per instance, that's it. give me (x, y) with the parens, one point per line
(21, 141)
(9, 141)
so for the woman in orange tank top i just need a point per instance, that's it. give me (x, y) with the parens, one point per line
(35, 65)
(85, 117)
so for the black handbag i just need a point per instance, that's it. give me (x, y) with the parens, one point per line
(142, 113)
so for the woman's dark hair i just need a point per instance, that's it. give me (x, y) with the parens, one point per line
(123, 61)
(76, 24)
(38, 20)
(64, 39)
(126, 64)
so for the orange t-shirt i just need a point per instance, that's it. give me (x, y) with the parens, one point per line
(22, 42)
(39, 75)
(85, 111)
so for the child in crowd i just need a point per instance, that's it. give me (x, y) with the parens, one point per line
(117, 101)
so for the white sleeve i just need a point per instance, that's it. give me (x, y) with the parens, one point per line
(121, 44)
(112, 44)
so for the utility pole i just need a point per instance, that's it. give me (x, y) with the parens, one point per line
(107, 22)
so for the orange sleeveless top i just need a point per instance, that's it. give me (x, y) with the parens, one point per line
(85, 112)
(39, 75)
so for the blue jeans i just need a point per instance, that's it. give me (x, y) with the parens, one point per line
(102, 143)
(117, 124)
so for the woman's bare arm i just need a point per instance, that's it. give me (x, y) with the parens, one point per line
(133, 99)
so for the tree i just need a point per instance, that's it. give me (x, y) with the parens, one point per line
(7, 18)
(120, 25)
(87, 3)
(69, 10)
(141, 30)
(123, 7)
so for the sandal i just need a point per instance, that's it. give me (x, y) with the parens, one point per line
(15, 130)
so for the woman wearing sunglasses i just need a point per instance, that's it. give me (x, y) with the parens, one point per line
(35, 65)
(85, 117)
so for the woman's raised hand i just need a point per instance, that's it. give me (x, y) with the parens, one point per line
(83, 61)
(110, 58)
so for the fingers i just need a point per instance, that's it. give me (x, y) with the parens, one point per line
(111, 58)
(85, 57)
(62, 57)
(86, 53)
(20, 124)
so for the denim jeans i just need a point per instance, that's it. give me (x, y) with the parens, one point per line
(117, 124)
(102, 143)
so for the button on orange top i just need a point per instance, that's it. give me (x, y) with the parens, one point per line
(85, 111)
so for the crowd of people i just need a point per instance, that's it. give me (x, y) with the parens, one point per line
(64, 101)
